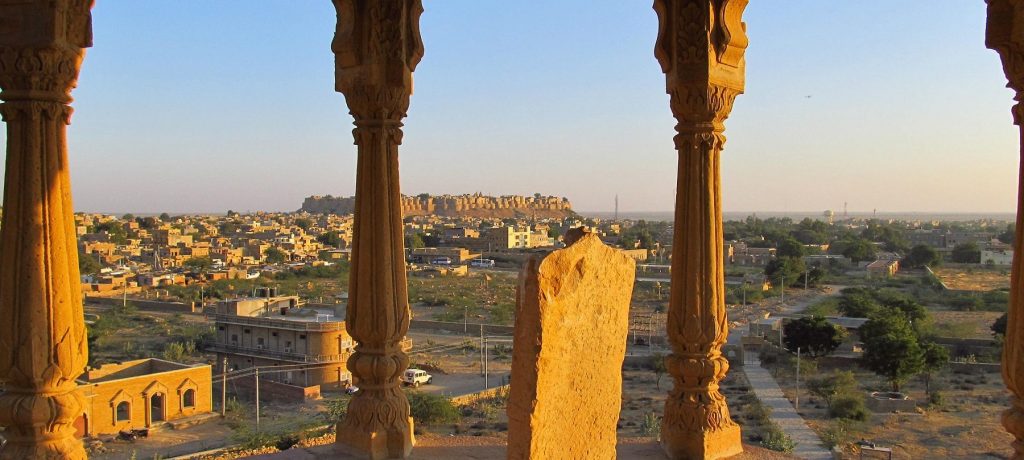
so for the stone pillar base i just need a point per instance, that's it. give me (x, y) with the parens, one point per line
(706, 445)
(65, 449)
(376, 445)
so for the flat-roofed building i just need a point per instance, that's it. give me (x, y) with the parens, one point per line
(270, 330)
(144, 393)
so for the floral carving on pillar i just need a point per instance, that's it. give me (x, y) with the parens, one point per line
(42, 332)
(700, 47)
(377, 46)
(1005, 34)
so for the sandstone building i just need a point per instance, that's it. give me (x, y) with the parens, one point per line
(271, 330)
(140, 394)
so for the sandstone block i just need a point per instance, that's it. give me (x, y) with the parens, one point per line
(572, 320)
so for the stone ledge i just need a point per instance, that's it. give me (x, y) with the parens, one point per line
(480, 447)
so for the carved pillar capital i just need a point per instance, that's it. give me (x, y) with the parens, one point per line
(41, 53)
(1004, 33)
(700, 47)
(377, 46)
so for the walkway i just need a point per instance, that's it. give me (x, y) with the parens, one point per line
(808, 444)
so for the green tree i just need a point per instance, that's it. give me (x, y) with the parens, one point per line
(128, 216)
(936, 357)
(857, 249)
(891, 349)
(114, 230)
(920, 256)
(790, 247)
(303, 223)
(88, 265)
(275, 256)
(829, 386)
(813, 335)
(330, 238)
(1008, 235)
(165, 216)
(415, 241)
(198, 264)
(857, 303)
(792, 270)
(966, 253)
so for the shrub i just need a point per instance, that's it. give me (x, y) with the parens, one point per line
(776, 439)
(336, 409)
(432, 409)
(836, 435)
(850, 407)
(759, 412)
(651, 426)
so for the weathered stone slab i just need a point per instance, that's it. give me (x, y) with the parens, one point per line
(572, 320)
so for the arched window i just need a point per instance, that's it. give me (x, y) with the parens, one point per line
(123, 413)
(188, 399)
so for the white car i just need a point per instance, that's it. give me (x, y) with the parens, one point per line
(416, 377)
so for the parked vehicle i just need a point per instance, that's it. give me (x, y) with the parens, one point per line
(484, 263)
(352, 390)
(441, 261)
(416, 377)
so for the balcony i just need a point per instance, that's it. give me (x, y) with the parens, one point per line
(289, 324)
(280, 355)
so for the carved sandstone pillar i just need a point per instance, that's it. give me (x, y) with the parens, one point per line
(42, 331)
(1005, 34)
(377, 46)
(700, 47)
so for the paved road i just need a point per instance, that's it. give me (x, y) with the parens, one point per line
(808, 444)
(462, 384)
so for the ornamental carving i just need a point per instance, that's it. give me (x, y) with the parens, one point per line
(1004, 33)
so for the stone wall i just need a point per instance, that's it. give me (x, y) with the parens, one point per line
(149, 305)
(475, 205)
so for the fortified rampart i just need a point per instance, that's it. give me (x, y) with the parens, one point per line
(475, 205)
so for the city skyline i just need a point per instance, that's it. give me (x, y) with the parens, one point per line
(173, 115)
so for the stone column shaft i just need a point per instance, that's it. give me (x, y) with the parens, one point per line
(700, 48)
(377, 46)
(1005, 34)
(43, 345)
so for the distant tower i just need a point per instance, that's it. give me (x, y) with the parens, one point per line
(829, 215)
(616, 206)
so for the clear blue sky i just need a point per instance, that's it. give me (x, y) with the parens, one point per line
(192, 106)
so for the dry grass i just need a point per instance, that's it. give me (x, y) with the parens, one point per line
(974, 278)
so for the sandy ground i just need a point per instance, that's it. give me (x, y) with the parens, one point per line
(974, 278)
(965, 426)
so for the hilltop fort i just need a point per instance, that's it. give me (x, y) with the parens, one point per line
(475, 205)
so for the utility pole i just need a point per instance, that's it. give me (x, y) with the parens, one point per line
(482, 362)
(257, 374)
(224, 388)
(797, 405)
(465, 320)
(782, 286)
(485, 363)
(806, 272)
